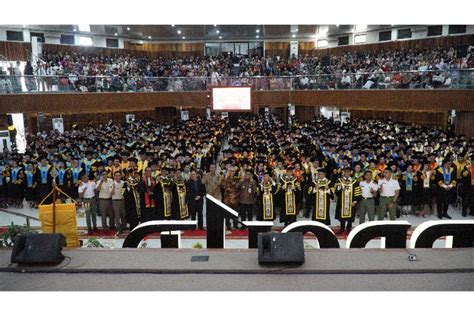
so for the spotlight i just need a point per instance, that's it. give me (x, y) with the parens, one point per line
(115, 34)
(128, 29)
(220, 37)
(257, 36)
(258, 31)
(179, 31)
(217, 31)
(149, 37)
(184, 37)
(294, 35)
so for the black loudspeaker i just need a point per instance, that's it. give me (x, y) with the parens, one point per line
(280, 248)
(38, 249)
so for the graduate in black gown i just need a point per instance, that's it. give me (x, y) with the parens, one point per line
(163, 195)
(179, 206)
(320, 194)
(445, 179)
(30, 185)
(289, 187)
(410, 189)
(16, 184)
(132, 199)
(44, 180)
(267, 195)
(348, 193)
(146, 188)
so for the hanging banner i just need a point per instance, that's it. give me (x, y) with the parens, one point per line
(294, 48)
(58, 124)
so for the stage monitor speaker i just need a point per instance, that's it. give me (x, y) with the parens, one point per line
(38, 249)
(280, 248)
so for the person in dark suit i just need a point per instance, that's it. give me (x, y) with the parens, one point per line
(196, 193)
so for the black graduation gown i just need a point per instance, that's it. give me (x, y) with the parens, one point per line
(320, 194)
(44, 188)
(267, 194)
(147, 199)
(179, 206)
(444, 196)
(410, 196)
(289, 189)
(30, 186)
(16, 183)
(132, 206)
(354, 194)
(163, 199)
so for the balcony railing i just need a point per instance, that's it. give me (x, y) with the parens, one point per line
(420, 79)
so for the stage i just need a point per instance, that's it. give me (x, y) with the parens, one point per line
(238, 270)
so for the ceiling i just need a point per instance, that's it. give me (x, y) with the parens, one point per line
(203, 32)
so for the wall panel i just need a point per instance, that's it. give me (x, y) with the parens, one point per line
(418, 100)
(15, 50)
(465, 123)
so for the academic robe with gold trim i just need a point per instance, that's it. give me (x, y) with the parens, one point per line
(179, 204)
(347, 192)
(289, 188)
(320, 194)
(267, 195)
(164, 198)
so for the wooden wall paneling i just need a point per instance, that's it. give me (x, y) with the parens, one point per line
(277, 48)
(465, 123)
(15, 50)
(69, 103)
(150, 50)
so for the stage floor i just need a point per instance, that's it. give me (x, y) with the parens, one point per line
(238, 270)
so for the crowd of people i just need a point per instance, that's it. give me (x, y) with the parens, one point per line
(267, 170)
(398, 69)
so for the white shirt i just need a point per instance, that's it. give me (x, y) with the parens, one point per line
(106, 189)
(118, 190)
(388, 187)
(88, 188)
(366, 187)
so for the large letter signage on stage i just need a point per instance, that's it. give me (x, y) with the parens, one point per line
(394, 232)
(141, 231)
(323, 233)
(216, 213)
(462, 232)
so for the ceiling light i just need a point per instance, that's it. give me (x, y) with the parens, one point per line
(179, 31)
(220, 37)
(149, 37)
(217, 31)
(172, 25)
(294, 35)
(184, 37)
(24, 25)
(141, 42)
(215, 25)
(128, 29)
(296, 30)
(74, 30)
(258, 31)
(257, 36)
(115, 34)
